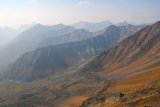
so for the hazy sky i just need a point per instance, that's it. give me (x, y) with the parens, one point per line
(16, 12)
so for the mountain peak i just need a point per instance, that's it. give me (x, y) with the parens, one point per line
(124, 23)
(85, 22)
(107, 29)
(92, 27)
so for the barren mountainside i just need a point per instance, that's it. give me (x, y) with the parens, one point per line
(126, 75)
(132, 66)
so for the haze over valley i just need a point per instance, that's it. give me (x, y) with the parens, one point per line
(82, 53)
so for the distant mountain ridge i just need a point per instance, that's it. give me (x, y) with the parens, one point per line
(77, 35)
(81, 44)
(92, 27)
(33, 38)
(7, 34)
(54, 58)
(41, 36)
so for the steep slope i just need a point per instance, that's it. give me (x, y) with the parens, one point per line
(131, 66)
(51, 59)
(128, 30)
(142, 44)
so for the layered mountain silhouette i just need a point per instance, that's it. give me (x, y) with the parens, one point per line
(77, 35)
(122, 70)
(33, 38)
(47, 60)
(7, 34)
(41, 36)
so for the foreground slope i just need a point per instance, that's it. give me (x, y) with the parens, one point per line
(132, 66)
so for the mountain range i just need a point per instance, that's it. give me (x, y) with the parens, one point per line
(117, 66)
(45, 61)
(79, 47)
(41, 36)
(33, 38)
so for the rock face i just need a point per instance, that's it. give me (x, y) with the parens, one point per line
(133, 65)
(48, 60)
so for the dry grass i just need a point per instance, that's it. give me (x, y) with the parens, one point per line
(136, 79)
